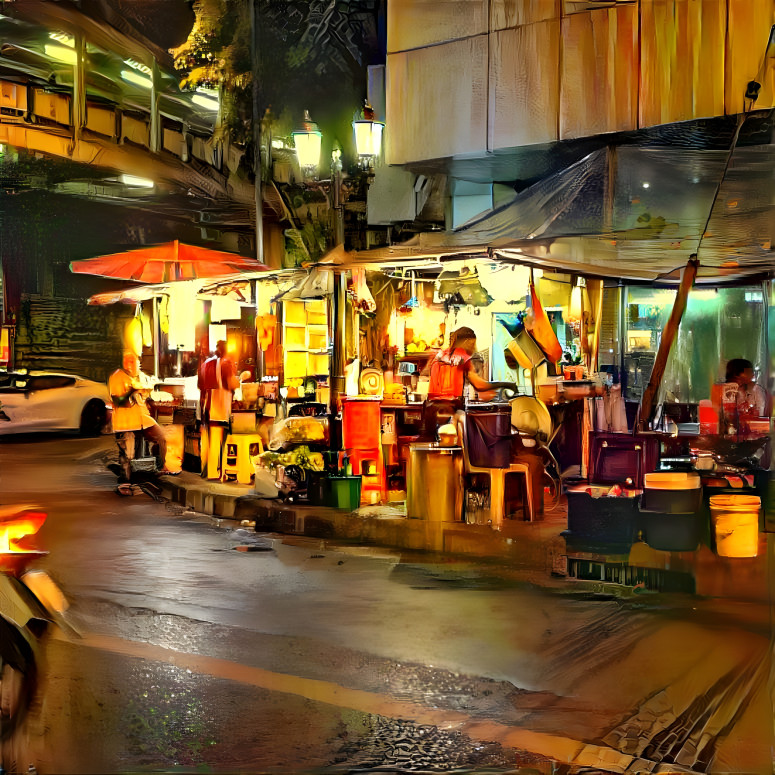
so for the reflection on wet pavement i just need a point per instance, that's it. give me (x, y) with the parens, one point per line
(304, 658)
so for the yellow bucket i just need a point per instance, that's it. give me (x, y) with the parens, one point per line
(736, 524)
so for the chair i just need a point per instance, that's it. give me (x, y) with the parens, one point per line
(497, 480)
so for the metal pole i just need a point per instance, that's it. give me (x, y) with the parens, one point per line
(338, 343)
(156, 338)
(79, 88)
(258, 172)
(339, 302)
(155, 128)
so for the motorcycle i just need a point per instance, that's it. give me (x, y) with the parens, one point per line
(30, 602)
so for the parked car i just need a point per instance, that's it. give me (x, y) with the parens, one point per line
(41, 401)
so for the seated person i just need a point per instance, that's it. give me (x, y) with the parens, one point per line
(752, 399)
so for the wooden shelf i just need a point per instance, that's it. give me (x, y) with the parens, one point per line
(305, 339)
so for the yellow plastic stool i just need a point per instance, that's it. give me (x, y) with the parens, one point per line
(238, 454)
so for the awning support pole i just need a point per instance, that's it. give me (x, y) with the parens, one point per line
(666, 342)
(337, 376)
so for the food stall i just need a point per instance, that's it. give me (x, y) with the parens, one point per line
(415, 309)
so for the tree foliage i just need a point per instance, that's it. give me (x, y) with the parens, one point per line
(311, 54)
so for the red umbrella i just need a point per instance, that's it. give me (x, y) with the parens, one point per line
(166, 263)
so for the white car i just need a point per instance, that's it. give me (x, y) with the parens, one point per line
(41, 401)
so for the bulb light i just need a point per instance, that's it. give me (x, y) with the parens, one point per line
(132, 180)
(308, 146)
(368, 137)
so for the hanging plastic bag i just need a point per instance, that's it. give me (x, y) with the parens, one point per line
(363, 301)
(317, 284)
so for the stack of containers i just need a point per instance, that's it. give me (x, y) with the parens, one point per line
(670, 511)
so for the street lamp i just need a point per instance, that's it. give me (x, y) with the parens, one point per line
(368, 136)
(307, 142)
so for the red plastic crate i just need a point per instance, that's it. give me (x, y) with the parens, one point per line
(361, 426)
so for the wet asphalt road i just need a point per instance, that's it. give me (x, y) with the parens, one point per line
(307, 658)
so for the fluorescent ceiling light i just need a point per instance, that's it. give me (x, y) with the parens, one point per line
(205, 102)
(132, 180)
(138, 66)
(63, 38)
(136, 78)
(61, 53)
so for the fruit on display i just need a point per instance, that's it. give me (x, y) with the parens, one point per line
(301, 456)
(417, 345)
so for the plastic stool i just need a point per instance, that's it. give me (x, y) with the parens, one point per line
(370, 466)
(239, 451)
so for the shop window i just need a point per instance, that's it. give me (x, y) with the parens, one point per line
(717, 325)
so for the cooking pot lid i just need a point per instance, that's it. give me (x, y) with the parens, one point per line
(530, 416)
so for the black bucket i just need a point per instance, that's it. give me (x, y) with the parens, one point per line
(488, 435)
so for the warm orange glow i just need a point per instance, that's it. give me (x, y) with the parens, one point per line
(736, 524)
(13, 530)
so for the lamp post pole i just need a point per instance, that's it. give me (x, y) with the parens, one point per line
(339, 303)
(257, 171)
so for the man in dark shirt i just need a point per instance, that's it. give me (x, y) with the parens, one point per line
(217, 380)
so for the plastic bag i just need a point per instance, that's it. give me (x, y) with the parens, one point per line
(299, 430)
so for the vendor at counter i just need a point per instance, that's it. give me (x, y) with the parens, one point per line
(448, 373)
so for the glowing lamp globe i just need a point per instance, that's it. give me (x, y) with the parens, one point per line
(307, 142)
(368, 137)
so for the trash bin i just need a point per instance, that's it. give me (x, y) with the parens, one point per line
(344, 492)
(488, 435)
(435, 482)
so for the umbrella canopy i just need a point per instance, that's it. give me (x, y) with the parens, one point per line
(169, 262)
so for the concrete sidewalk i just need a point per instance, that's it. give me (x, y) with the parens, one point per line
(536, 552)
(523, 544)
